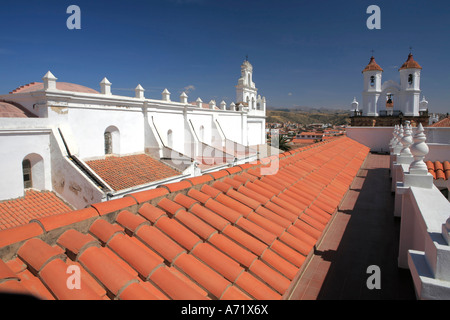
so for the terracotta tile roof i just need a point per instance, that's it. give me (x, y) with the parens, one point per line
(439, 170)
(65, 86)
(441, 123)
(304, 141)
(34, 205)
(410, 63)
(130, 171)
(372, 66)
(234, 234)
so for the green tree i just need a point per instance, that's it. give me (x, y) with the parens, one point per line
(283, 143)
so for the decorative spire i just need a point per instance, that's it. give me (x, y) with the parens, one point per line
(166, 95)
(49, 81)
(410, 63)
(355, 104)
(139, 92)
(394, 134)
(199, 102)
(372, 66)
(400, 136)
(419, 150)
(184, 98)
(105, 86)
(406, 140)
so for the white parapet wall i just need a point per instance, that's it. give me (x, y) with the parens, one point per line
(424, 243)
(376, 138)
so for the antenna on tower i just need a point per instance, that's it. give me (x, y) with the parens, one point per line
(246, 57)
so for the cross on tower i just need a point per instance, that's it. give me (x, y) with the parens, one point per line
(373, 51)
(410, 50)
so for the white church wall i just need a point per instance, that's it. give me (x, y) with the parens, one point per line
(67, 179)
(231, 125)
(202, 124)
(254, 136)
(88, 127)
(33, 144)
(174, 122)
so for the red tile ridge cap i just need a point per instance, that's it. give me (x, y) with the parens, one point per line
(114, 205)
(176, 186)
(56, 221)
(20, 233)
(148, 195)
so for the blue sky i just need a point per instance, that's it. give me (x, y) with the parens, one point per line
(304, 53)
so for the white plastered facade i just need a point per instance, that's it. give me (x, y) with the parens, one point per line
(71, 124)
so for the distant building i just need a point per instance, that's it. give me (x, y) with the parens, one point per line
(389, 103)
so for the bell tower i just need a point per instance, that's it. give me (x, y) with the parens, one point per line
(410, 86)
(246, 91)
(372, 88)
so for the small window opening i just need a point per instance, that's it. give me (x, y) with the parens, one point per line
(26, 168)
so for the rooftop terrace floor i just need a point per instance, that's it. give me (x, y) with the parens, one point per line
(364, 232)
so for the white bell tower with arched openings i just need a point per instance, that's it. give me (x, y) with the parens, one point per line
(410, 86)
(245, 90)
(372, 88)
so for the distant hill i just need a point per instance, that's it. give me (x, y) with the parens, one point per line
(306, 116)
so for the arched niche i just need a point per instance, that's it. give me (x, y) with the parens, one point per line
(112, 140)
(33, 171)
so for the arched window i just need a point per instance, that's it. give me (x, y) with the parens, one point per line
(112, 140)
(372, 81)
(170, 139)
(33, 173)
(27, 176)
(249, 80)
(410, 79)
(108, 142)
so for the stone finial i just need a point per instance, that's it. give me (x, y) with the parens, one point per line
(401, 131)
(233, 106)
(212, 104)
(166, 95)
(139, 92)
(105, 86)
(419, 150)
(199, 102)
(223, 105)
(49, 81)
(184, 98)
(423, 104)
(407, 140)
(355, 104)
(393, 141)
